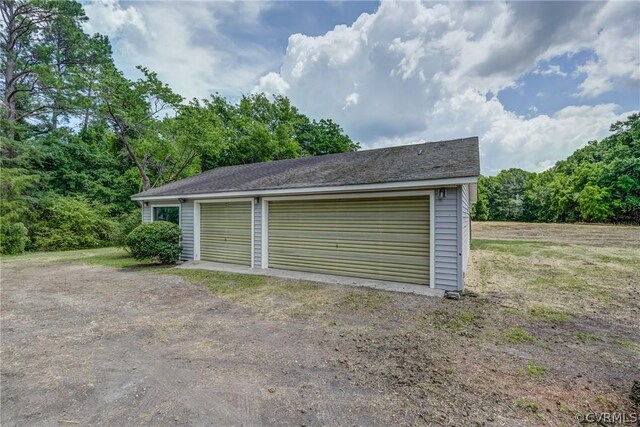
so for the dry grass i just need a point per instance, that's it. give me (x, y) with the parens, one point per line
(558, 280)
(589, 234)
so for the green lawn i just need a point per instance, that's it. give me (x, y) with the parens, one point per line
(112, 257)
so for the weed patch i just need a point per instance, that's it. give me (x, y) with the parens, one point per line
(519, 335)
(369, 300)
(610, 259)
(119, 259)
(534, 370)
(587, 336)
(459, 323)
(558, 281)
(526, 404)
(628, 344)
(516, 247)
(549, 313)
(220, 283)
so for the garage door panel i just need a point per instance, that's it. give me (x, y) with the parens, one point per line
(333, 255)
(354, 246)
(380, 238)
(353, 236)
(357, 270)
(354, 217)
(225, 232)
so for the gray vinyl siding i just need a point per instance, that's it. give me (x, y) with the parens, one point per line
(446, 241)
(466, 227)
(186, 223)
(257, 234)
(146, 214)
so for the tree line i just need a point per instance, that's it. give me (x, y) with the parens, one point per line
(78, 137)
(597, 183)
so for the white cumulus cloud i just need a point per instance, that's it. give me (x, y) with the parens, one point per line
(183, 43)
(427, 71)
(271, 83)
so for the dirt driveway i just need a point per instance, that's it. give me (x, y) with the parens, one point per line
(109, 347)
(548, 332)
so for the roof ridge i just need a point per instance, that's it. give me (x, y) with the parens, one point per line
(393, 147)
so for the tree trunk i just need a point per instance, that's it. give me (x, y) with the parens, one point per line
(146, 182)
(87, 111)
(8, 14)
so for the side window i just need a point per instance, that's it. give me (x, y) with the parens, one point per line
(167, 213)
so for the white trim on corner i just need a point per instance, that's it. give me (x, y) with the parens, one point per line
(386, 186)
(459, 235)
(167, 205)
(253, 234)
(264, 256)
(196, 231)
(432, 239)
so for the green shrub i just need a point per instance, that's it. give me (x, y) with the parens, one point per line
(72, 223)
(159, 240)
(13, 237)
(125, 225)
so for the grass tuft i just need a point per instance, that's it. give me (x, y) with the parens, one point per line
(459, 323)
(517, 247)
(368, 300)
(119, 259)
(534, 370)
(519, 335)
(527, 404)
(558, 281)
(549, 313)
(628, 344)
(218, 282)
(587, 336)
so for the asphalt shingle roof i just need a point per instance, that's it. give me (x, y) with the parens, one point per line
(432, 160)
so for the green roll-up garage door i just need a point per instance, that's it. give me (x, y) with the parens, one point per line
(225, 232)
(384, 238)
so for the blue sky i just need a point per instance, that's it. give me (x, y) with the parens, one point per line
(534, 80)
(554, 84)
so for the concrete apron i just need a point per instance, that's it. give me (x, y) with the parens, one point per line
(315, 277)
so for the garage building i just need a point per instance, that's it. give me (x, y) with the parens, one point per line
(397, 214)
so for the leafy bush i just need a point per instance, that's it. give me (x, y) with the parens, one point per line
(13, 237)
(159, 240)
(72, 223)
(125, 225)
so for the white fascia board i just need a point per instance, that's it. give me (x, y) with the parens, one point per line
(387, 186)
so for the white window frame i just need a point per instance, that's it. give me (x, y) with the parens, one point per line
(432, 236)
(167, 205)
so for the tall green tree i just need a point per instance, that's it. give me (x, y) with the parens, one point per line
(259, 129)
(599, 182)
(45, 59)
(133, 110)
(18, 180)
